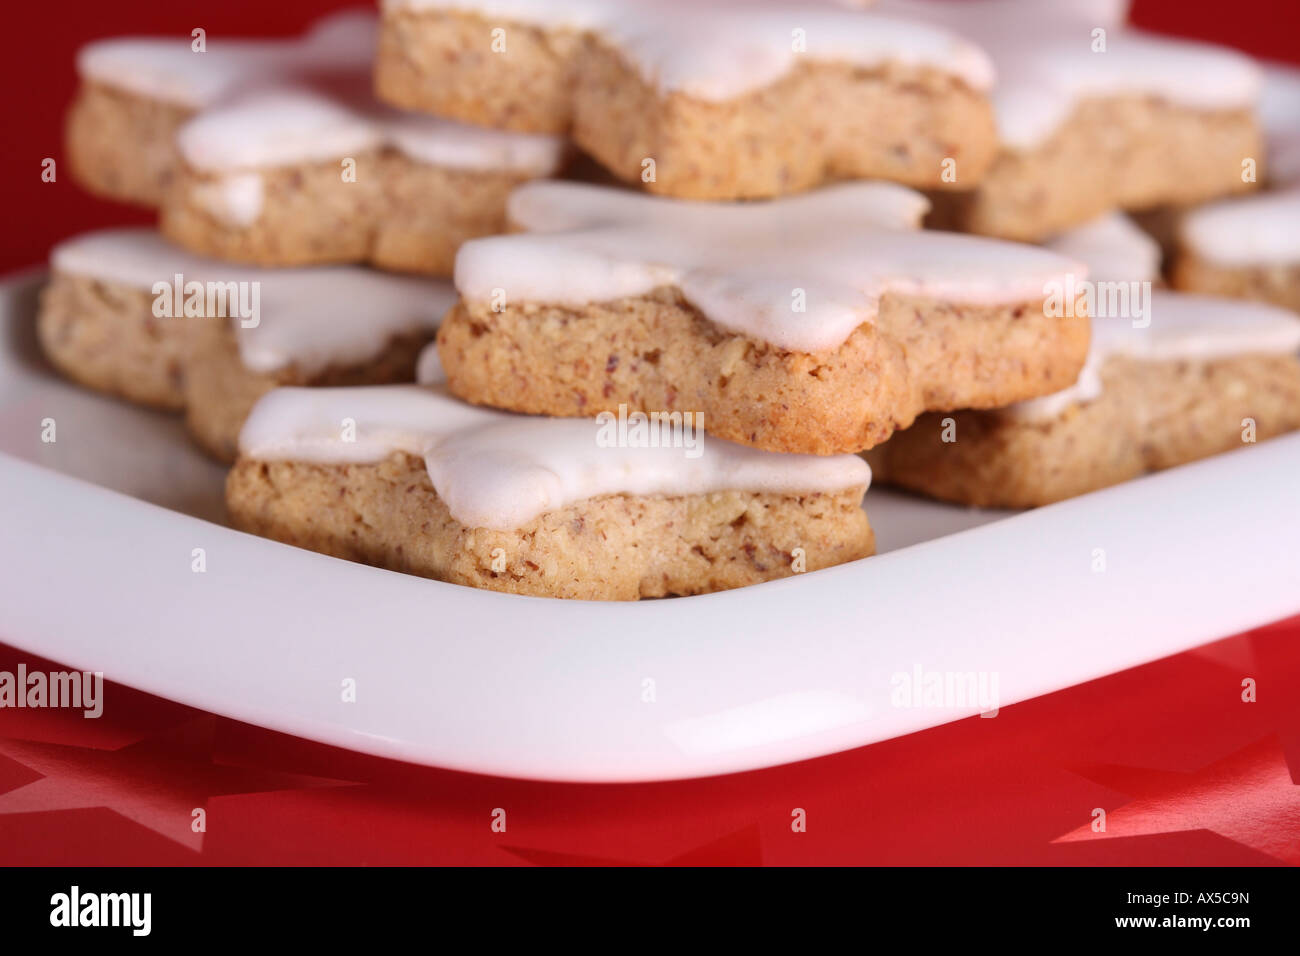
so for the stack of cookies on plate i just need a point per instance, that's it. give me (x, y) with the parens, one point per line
(798, 237)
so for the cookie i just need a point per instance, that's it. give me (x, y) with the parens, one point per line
(711, 99)
(1085, 128)
(815, 324)
(1244, 248)
(1249, 248)
(1279, 118)
(410, 479)
(127, 314)
(1191, 377)
(136, 93)
(274, 154)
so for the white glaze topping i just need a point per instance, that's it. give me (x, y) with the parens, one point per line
(428, 368)
(1114, 248)
(282, 125)
(276, 127)
(801, 273)
(236, 199)
(498, 470)
(171, 71)
(1279, 114)
(558, 206)
(440, 142)
(721, 49)
(308, 318)
(1043, 53)
(1263, 229)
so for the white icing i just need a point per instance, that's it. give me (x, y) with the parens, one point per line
(1279, 114)
(428, 368)
(286, 125)
(1182, 327)
(1279, 101)
(315, 318)
(749, 266)
(132, 256)
(721, 49)
(1114, 248)
(440, 142)
(1042, 51)
(309, 318)
(1257, 230)
(283, 125)
(276, 128)
(235, 199)
(277, 103)
(557, 206)
(170, 70)
(497, 470)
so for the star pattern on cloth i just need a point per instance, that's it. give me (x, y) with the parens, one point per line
(741, 848)
(157, 782)
(1248, 797)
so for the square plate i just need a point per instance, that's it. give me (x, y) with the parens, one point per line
(99, 529)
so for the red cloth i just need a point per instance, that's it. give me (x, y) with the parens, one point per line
(1186, 771)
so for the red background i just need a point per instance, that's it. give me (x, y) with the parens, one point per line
(1187, 772)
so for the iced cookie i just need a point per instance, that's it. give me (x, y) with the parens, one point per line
(409, 478)
(127, 314)
(274, 154)
(1170, 379)
(1249, 248)
(1092, 115)
(708, 99)
(1244, 248)
(817, 324)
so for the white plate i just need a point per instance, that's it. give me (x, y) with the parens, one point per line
(101, 579)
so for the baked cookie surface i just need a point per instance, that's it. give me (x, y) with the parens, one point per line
(814, 324)
(410, 479)
(709, 100)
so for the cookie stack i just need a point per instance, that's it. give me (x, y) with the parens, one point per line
(663, 387)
